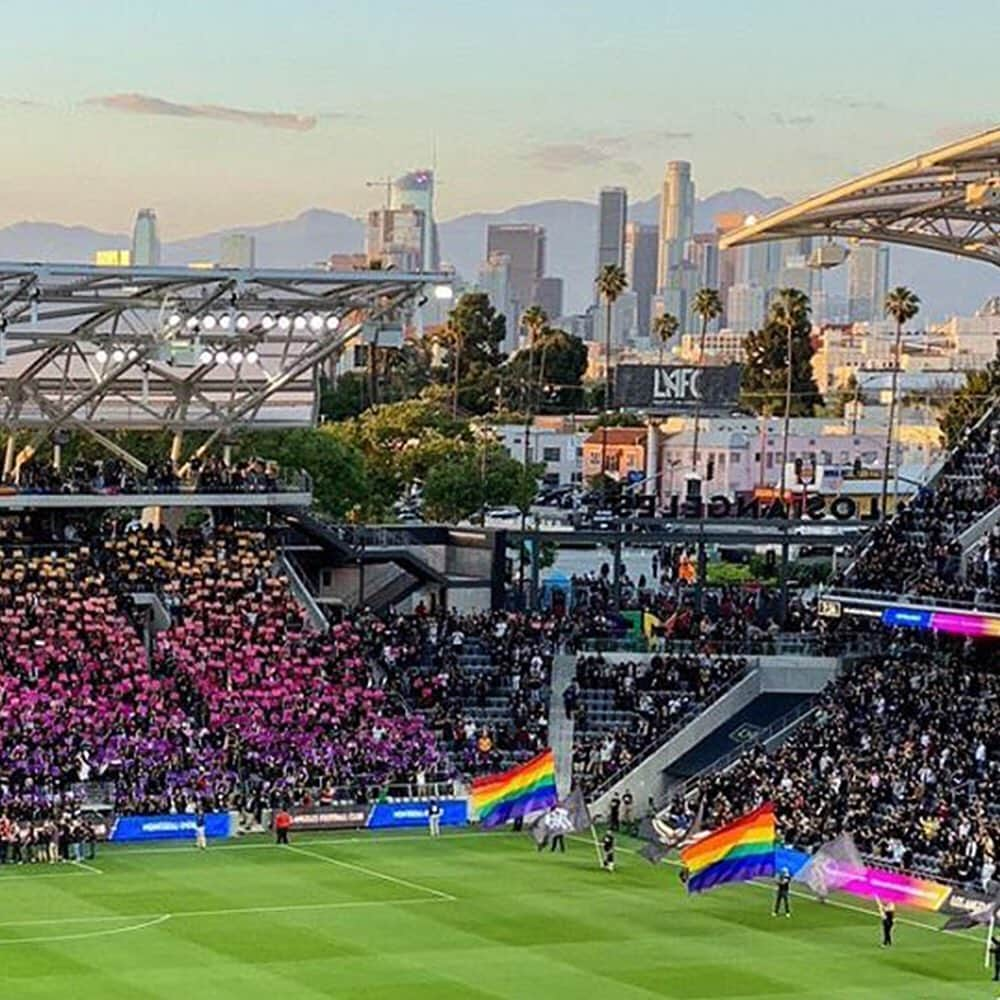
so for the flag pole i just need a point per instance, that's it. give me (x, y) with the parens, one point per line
(989, 938)
(597, 846)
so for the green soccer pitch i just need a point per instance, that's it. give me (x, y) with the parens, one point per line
(397, 916)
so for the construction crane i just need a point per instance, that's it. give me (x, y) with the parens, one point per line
(387, 184)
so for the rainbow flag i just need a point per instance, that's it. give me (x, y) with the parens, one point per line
(739, 851)
(527, 788)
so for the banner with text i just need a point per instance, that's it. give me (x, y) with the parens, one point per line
(677, 388)
(175, 826)
(454, 812)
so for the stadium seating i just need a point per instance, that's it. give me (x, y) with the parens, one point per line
(620, 710)
(917, 551)
(903, 751)
(239, 701)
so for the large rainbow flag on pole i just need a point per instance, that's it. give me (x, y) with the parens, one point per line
(527, 788)
(737, 852)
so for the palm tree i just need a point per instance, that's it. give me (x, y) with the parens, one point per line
(534, 320)
(664, 329)
(789, 309)
(611, 282)
(707, 305)
(902, 305)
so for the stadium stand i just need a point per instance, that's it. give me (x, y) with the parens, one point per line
(622, 709)
(240, 702)
(903, 751)
(917, 551)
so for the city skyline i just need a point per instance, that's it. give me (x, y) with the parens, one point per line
(287, 113)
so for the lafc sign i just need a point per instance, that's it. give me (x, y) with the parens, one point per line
(677, 385)
(677, 388)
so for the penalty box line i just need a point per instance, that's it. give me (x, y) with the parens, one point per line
(371, 872)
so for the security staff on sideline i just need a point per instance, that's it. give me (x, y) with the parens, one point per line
(434, 818)
(783, 889)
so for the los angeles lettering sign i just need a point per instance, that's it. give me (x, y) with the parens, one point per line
(814, 507)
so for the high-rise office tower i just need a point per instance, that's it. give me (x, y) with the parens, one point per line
(641, 248)
(867, 282)
(612, 214)
(415, 190)
(145, 240)
(550, 297)
(494, 280)
(745, 307)
(676, 219)
(238, 250)
(396, 238)
(525, 246)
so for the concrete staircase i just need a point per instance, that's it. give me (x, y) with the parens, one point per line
(561, 728)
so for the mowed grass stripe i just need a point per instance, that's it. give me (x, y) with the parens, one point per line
(523, 925)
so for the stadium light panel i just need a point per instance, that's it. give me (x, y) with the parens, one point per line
(117, 355)
(208, 321)
(221, 357)
(243, 322)
(332, 322)
(236, 359)
(284, 322)
(316, 323)
(101, 356)
(252, 357)
(300, 322)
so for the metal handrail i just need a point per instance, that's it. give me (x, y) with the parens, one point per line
(790, 718)
(663, 738)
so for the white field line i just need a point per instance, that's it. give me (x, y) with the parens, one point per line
(85, 870)
(213, 846)
(807, 895)
(89, 934)
(227, 912)
(372, 872)
(86, 867)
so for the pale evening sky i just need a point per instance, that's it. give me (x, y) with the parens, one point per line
(225, 113)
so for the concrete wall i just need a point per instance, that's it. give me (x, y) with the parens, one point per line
(769, 675)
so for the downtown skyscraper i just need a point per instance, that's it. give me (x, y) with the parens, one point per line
(676, 275)
(145, 240)
(612, 216)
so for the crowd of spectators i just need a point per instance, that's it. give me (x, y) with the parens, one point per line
(481, 680)
(902, 751)
(916, 552)
(648, 701)
(240, 704)
(114, 476)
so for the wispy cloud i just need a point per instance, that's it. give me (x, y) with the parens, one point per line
(600, 149)
(143, 104)
(857, 103)
(792, 121)
(19, 102)
(560, 156)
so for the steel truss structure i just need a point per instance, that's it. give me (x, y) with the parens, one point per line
(947, 199)
(91, 349)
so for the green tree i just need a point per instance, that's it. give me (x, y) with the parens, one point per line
(970, 402)
(611, 282)
(560, 360)
(763, 384)
(665, 327)
(473, 333)
(342, 398)
(337, 469)
(902, 305)
(534, 322)
(474, 477)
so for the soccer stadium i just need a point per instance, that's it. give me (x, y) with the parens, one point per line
(373, 632)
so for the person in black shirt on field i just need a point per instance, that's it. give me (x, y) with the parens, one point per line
(888, 912)
(608, 852)
(995, 951)
(783, 889)
(614, 820)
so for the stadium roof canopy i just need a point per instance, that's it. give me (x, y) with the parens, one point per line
(94, 348)
(947, 199)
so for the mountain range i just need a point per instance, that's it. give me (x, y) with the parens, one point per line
(946, 285)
